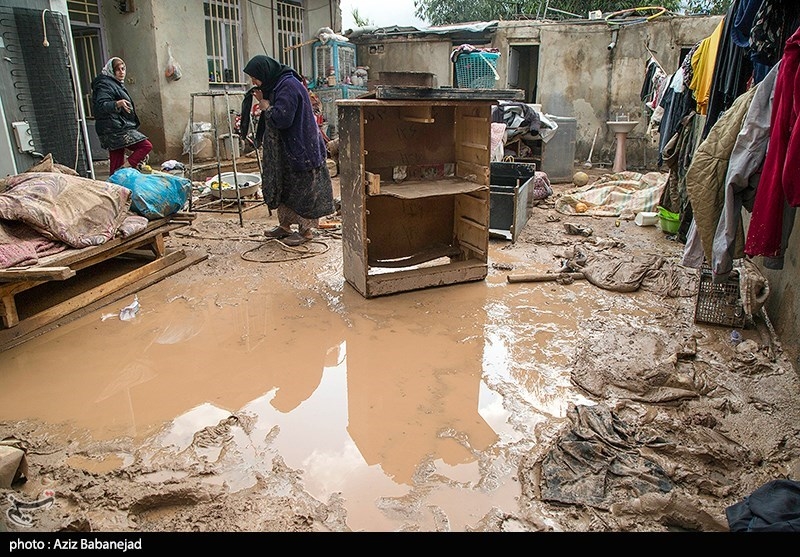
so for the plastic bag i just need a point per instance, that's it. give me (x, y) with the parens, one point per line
(173, 69)
(154, 196)
(199, 139)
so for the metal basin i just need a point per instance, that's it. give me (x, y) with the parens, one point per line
(621, 127)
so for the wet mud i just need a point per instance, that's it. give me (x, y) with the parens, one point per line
(257, 391)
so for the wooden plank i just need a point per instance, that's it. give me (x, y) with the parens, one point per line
(36, 273)
(67, 258)
(431, 188)
(449, 93)
(416, 279)
(25, 331)
(472, 247)
(353, 196)
(373, 183)
(547, 277)
(8, 311)
(479, 171)
(68, 306)
(131, 244)
(64, 308)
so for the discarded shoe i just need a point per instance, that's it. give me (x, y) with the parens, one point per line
(295, 239)
(277, 233)
(144, 168)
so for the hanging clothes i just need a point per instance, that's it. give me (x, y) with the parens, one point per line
(705, 179)
(732, 72)
(744, 171)
(779, 186)
(677, 158)
(677, 101)
(743, 20)
(775, 21)
(655, 81)
(703, 64)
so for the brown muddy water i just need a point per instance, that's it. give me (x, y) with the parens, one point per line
(414, 408)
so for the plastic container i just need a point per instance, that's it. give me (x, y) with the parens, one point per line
(646, 218)
(477, 70)
(668, 221)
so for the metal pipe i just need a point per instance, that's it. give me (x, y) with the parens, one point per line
(613, 42)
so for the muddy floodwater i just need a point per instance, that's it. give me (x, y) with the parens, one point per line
(409, 412)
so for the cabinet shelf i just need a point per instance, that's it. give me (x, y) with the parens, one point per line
(430, 188)
(432, 227)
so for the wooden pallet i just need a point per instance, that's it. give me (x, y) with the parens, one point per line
(66, 265)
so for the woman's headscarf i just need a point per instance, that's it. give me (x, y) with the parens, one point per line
(108, 69)
(267, 70)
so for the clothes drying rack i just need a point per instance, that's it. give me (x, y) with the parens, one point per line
(240, 204)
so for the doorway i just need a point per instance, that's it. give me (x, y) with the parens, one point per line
(523, 69)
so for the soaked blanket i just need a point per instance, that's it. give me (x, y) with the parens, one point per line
(21, 245)
(78, 211)
(612, 195)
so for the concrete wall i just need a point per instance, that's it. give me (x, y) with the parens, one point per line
(141, 38)
(427, 55)
(783, 304)
(579, 76)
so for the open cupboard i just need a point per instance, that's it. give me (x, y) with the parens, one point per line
(414, 175)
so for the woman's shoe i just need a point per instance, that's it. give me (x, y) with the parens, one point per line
(277, 233)
(295, 239)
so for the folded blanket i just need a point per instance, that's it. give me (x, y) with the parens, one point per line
(78, 211)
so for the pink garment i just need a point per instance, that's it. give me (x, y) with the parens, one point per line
(780, 178)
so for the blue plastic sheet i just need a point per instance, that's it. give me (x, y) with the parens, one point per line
(154, 196)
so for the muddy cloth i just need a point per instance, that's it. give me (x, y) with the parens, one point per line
(598, 462)
(78, 211)
(773, 507)
(626, 273)
(612, 194)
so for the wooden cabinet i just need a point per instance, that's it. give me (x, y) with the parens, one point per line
(415, 190)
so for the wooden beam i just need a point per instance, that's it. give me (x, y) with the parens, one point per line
(98, 297)
(373, 183)
(547, 277)
(34, 273)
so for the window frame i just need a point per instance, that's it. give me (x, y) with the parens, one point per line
(223, 35)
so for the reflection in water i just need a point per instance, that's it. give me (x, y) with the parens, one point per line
(405, 389)
(400, 404)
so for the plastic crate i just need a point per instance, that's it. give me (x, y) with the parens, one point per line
(477, 70)
(719, 303)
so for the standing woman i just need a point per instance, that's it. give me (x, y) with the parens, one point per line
(116, 122)
(295, 178)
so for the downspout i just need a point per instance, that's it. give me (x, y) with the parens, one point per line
(274, 33)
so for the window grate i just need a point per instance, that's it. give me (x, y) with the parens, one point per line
(289, 24)
(223, 37)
